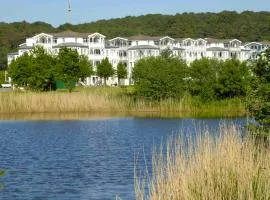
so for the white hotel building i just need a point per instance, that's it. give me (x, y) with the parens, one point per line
(130, 49)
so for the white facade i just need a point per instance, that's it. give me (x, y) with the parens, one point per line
(130, 49)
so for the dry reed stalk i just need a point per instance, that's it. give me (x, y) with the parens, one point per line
(223, 168)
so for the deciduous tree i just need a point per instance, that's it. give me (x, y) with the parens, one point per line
(105, 70)
(70, 67)
(121, 72)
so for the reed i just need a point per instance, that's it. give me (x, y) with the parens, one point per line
(208, 169)
(101, 99)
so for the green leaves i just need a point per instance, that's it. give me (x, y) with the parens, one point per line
(105, 69)
(203, 82)
(259, 98)
(121, 72)
(233, 79)
(213, 79)
(2, 77)
(70, 67)
(160, 78)
(39, 70)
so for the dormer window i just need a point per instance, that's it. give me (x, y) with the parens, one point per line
(85, 40)
(42, 40)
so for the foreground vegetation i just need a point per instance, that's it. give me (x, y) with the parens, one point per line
(208, 168)
(121, 100)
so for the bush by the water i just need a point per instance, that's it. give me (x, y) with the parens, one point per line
(168, 77)
(160, 77)
(259, 97)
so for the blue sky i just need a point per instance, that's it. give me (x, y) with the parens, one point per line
(54, 11)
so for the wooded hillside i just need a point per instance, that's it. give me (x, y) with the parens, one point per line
(246, 26)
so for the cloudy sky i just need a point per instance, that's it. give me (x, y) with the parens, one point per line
(55, 11)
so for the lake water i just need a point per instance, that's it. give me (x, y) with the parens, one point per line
(83, 159)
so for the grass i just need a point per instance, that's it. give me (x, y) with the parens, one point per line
(217, 169)
(114, 100)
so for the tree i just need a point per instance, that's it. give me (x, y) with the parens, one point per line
(33, 70)
(86, 69)
(203, 74)
(105, 69)
(19, 70)
(166, 53)
(70, 67)
(121, 72)
(42, 70)
(233, 79)
(259, 97)
(160, 78)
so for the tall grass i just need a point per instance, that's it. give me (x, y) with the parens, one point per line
(208, 169)
(113, 100)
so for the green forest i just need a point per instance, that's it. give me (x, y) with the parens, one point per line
(246, 26)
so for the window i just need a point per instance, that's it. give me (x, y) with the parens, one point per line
(55, 40)
(220, 54)
(97, 51)
(42, 40)
(137, 43)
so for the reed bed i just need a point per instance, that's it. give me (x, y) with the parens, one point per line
(208, 169)
(113, 100)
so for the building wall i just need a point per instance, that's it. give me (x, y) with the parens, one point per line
(130, 51)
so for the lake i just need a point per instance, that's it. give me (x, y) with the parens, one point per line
(84, 159)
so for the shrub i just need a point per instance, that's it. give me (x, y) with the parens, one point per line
(259, 97)
(203, 74)
(160, 77)
(233, 79)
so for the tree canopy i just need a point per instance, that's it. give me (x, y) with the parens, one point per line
(39, 70)
(160, 77)
(121, 72)
(70, 67)
(33, 70)
(259, 98)
(105, 69)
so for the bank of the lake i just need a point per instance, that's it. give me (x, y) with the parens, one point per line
(114, 100)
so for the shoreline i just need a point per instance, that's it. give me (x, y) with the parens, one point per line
(100, 102)
(103, 115)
